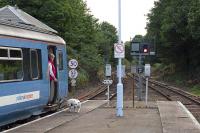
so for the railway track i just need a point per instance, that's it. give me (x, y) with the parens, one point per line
(191, 102)
(99, 93)
(171, 93)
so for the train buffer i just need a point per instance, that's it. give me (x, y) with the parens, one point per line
(94, 117)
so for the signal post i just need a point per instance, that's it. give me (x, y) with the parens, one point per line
(140, 49)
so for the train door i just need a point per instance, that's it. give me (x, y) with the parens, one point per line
(54, 76)
(61, 73)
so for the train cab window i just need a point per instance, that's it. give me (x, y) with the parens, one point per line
(34, 64)
(60, 59)
(10, 68)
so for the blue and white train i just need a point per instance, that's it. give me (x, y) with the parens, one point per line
(24, 80)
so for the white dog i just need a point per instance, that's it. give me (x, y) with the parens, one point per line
(74, 105)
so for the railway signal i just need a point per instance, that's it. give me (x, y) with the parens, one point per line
(145, 49)
(141, 49)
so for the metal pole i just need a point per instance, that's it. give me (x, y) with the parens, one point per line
(140, 79)
(108, 98)
(146, 98)
(119, 85)
(133, 89)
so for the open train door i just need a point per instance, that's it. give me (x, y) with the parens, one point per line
(61, 73)
(60, 90)
(54, 87)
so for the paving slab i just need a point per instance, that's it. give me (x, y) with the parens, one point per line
(104, 120)
(176, 118)
(96, 116)
(50, 122)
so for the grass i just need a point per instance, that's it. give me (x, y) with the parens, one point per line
(195, 90)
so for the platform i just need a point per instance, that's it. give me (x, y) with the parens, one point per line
(97, 117)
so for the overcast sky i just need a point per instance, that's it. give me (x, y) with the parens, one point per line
(133, 14)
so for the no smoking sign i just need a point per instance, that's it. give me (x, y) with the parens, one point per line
(119, 50)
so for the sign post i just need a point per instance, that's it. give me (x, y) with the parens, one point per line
(108, 82)
(73, 73)
(147, 71)
(119, 53)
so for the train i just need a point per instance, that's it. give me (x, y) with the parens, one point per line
(25, 43)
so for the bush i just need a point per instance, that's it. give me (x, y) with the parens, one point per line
(195, 90)
(100, 74)
(82, 78)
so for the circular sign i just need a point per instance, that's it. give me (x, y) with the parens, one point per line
(119, 48)
(73, 73)
(73, 63)
(73, 82)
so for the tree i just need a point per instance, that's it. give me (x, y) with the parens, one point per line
(86, 39)
(107, 36)
(172, 23)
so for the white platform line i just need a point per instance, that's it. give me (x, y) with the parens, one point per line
(190, 115)
(39, 119)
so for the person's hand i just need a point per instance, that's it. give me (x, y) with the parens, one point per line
(55, 80)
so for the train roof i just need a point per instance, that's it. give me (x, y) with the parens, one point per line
(17, 23)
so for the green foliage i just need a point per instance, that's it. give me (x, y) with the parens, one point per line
(174, 24)
(138, 38)
(88, 41)
(195, 90)
(83, 78)
(106, 37)
(128, 55)
(90, 60)
(101, 74)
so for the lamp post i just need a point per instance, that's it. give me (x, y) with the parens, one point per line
(119, 85)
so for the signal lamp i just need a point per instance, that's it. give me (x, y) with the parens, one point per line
(145, 50)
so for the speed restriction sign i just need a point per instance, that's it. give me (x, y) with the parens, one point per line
(73, 63)
(73, 73)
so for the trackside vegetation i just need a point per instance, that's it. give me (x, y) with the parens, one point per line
(174, 26)
(88, 40)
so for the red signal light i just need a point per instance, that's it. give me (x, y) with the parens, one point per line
(145, 50)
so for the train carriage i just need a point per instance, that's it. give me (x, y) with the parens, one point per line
(25, 44)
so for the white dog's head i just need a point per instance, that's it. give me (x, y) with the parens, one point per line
(74, 105)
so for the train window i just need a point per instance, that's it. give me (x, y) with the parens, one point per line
(60, 59)
(34, 64)
(10, 68)
(15, 53)
(3, 52)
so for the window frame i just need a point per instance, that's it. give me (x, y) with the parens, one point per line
(37, 61)
(60, 52)
(14, 59)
